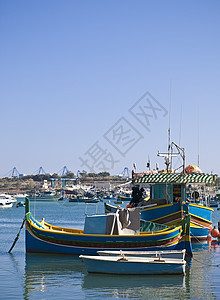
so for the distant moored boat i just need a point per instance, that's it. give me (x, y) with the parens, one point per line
(45, 196)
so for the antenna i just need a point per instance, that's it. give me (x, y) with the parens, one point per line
(198, 137)
(169, 133)
(168, 155)
(180, 126)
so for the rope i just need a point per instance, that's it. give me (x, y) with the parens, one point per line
(202, 262)
(196, 239)
(17, 235)
(207, 264)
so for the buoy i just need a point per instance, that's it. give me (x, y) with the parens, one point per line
(215, 233)
(128, 205)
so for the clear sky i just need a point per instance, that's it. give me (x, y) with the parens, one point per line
(74, 77)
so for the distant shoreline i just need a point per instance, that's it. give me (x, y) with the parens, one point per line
(29, 185)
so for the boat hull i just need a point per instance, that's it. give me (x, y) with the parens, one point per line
(47, 238)
(124, 198)
(201, 221)
(39, 243)
(134, 266)
(6, 204)
(39, 240)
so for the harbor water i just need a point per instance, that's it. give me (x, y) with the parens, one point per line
(45, 276)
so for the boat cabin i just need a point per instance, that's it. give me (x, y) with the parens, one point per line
(168, 188)
(167, 193)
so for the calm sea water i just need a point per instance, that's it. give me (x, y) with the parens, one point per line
(38, 276)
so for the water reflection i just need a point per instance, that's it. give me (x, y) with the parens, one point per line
(50, 263)
(44, 273)
(41, 276)
(105, 281)
(145, 287)
(53, 275)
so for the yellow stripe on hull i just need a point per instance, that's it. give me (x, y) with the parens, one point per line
(202, 219)
(156, 207)
(201, 206)
(80, 232)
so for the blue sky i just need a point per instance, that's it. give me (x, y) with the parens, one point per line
(70, 72)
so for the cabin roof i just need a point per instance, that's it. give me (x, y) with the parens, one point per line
(174, 178)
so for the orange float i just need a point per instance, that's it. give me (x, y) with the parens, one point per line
(214, 232)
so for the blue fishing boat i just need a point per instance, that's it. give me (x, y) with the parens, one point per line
(168, 192)
(124, 197)
(106, 232)
(169, 200)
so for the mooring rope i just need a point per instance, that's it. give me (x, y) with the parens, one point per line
(207, 264)
(196, 239)
(202, 262)
(17, 235)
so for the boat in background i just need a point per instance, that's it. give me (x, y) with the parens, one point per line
(131, 265)
(20, 204)
(20, 197)
(213, 203)
(108, 196)
(124, 197)
(84, 199)
(92, 200)
(45, 196)
(5, 204)
(6, 201)
(118, 202)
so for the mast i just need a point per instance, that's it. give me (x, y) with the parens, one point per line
(168, 156)
(167, 160)
(198, 138)
(180, 126)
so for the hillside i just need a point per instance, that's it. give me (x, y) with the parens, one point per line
(30, 184)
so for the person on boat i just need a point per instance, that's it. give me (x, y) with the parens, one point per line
(137, 196)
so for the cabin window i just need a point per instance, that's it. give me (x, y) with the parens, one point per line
(176, 192)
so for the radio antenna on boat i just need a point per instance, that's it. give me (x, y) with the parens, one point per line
(198, 137)
(180, 126)
(169, 133)
(168, 156)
